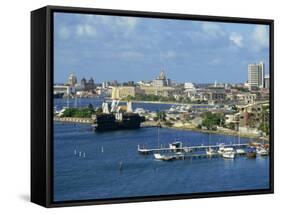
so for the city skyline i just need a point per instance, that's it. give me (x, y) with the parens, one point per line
(127, 48)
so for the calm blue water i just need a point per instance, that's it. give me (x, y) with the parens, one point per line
(83, 102)
(98, 175)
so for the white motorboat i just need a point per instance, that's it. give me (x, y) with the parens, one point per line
(240, 151)
(261, 151)
(175, 146)
(228, 153)
(211, 151)
(158, 156)
(221, 149)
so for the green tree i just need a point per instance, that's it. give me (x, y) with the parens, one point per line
(211, 120)
(161, 116)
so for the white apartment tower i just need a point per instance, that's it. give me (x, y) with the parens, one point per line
(72, 80)
(256, 75)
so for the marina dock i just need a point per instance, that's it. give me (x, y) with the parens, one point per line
(186, 149)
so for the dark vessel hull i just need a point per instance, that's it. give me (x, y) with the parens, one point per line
(107, 122)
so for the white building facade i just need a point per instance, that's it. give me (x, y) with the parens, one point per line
(256, 75)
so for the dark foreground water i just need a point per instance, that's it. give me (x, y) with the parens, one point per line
(98, 174)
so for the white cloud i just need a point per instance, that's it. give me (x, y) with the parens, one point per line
(236, 39)
(168, 54)
(117, 25)
(128, 22)
(85, 30)
(261, 37)
(212, 29)
(63, 32)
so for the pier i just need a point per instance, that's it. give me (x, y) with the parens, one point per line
(187, 149)
(74, 120)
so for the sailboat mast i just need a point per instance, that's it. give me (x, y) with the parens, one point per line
(238, 135)
(158, 136)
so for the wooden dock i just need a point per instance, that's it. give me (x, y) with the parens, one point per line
(187, 149)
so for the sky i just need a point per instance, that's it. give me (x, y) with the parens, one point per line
(120, 48)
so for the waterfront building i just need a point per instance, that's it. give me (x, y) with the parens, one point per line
(143, 83)
(246, 97)
(158, 91)
(169, 82)
(67, 90)
(216, 93)
(114, 83)
(266, 81)
(83, 83)
(256, 75)
(125, 91)
(72, 80)
(232, 119)
(90, 85)
(249, 115)
(105, 84)
(189, 86)
(87, 86)
(189, 89)
(161, 80)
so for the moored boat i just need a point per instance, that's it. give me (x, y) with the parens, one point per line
(228, 153)
(251, 152)
(211, 151)
(159, 156)
(176, 146)
(221, 149)
(240, 151)
(261, 151)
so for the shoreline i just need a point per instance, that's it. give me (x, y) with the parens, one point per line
(227, 133)
(160, 102)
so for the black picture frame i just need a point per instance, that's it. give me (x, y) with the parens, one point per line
(42, 104)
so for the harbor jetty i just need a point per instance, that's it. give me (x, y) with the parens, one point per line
(187, 149)
(74, 120)
(178, 152)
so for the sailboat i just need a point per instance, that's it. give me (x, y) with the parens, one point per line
(210, 151)
(240, 151)
(159, 156)
(261, 150)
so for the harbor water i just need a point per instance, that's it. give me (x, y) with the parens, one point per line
(97, 102)
(90, 165)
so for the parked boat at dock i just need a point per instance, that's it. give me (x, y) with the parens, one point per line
(228, 153)
(251, 152)
(176, 146)
(163, 157)
(211, 151)
(261, 151)
(221, 149)
(240, 151)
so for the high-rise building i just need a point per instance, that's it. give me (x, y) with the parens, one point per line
(72, 80)
(266, 81)
(87, 86)
(105, 84)
(256, 75)
(83, 83)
